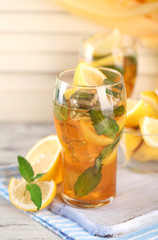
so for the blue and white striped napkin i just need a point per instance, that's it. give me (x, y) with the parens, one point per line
(64, 227)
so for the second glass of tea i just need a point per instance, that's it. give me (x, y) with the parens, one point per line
(89, 122)
(115, 51)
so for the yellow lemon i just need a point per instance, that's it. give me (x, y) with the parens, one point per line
(137, 109)
(85, 75)
(149, 129)
(45, 157)
(151, 97)
(130, 142)
(22, 199)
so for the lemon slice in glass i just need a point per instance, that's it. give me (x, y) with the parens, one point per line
(85, 75)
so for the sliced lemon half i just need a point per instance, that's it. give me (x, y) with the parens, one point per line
(131, 140)
(137, 109)
(151, 97)
(22, 199)
(45, 157)
(149, 129)
(85, 75)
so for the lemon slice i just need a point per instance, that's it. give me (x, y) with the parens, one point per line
(114, 59)
(137, 109)
(149, 127)
(45, 157)
(22, 200)
(151, 97)
(131, 140)
(91, 136)
(85, 75)
(103, 42)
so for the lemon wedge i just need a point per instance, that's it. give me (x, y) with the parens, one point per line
(151, 97)
(149, 129)
(45, 157)
(85, 75)
(131, 140)
(91, 136)
(137, 109)
(23, 201)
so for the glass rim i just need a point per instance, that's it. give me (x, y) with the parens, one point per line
(121, 81)
(140, 134)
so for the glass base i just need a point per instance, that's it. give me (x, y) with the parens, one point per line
(82, 204)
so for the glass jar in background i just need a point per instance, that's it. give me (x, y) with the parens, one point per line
(115, 51)
(89, 122)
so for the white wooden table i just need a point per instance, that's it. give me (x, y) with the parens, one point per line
(17, 139)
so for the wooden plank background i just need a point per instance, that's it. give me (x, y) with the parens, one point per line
(38, 39)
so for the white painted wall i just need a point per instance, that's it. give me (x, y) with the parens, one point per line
(37, 40)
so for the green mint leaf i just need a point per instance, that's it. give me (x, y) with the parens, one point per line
(110, 82)
(116, 141)
(39, 175)
(112, 93)
(60, 112)
(118, 68)
(82, 95)
(119, 111)
(91, 177)
(87, 181)
(36, 194)
(104, 124)
(115, 112)
(107, 150)
(25, 169)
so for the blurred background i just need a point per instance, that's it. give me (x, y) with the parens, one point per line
(38, 38)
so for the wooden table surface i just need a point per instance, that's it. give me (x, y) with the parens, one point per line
(17, 139)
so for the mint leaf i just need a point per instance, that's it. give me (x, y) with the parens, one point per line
(115, 112)
(36, 194)
(25, 169)
(60, 112)
(104, 124)
(91, 177)
(82, 95)
(110, 82)
(118, 68)
(37, 176)
(119, 111)
(112, 93)
(87, 181)
(106, 151)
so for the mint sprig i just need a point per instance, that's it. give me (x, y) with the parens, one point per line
(91, 177)
(104, 125)
(27, 173)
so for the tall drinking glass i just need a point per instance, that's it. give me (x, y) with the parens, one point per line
(89, 122)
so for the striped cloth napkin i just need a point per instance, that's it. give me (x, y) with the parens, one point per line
(64, 227)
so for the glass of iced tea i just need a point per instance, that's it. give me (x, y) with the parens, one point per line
(89, 122)
(115, 51)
